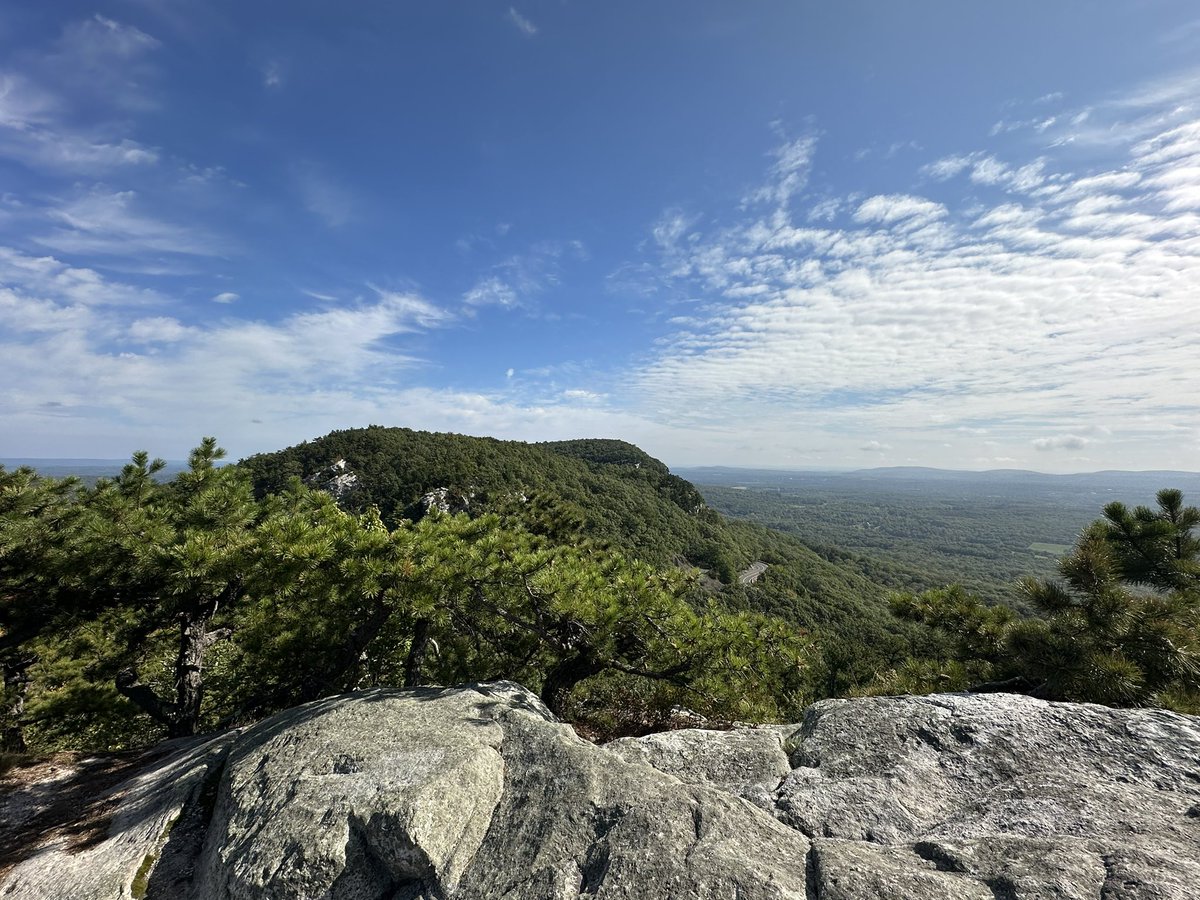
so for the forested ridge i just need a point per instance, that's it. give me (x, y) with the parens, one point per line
(139, 607)
(612, 492)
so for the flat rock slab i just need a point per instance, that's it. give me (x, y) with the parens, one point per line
(996, 795)
(478, 793)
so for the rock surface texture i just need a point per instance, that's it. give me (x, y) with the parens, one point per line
(473, 793)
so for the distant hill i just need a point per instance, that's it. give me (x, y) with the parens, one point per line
(621, 493)
(916, 477)
(615, 492)
(87, 469)
(1109, 479)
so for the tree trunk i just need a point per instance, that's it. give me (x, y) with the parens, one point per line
(416, 653)
(564, 675)
(129, 685)
(189, 669)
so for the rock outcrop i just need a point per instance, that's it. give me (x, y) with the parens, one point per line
(478, 792)
(963, 796)
(335, 479)
(445, 500)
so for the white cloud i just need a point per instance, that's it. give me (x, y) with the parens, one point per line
(922, 323)
(317, 295)
(113, 223)
(825, 210)
(45, 276)
(989, 170)
(272, 74)
(985, 169)
(523, 25)
(947, 167)
(491, 291)
(789, 173)
(158, 329)
(672, 227)
(892, 208)
(515, 281)
(100, 38)
(61, 151)
(24, 104)
(35, 131)
(84, 343)
(1060, 442)
(230, 297)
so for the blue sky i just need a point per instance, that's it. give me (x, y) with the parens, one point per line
(773, 233)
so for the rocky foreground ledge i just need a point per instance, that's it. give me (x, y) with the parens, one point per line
(478, 792)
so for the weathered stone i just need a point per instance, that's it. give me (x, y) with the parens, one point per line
(335, 479)
(963, 766)
(133, 822)
(353, 797)
(857, 870)
(478, 793)
(581, 819)
(730, 759)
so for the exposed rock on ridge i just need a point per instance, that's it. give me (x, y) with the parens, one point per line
(961, 796)
(479, 793)
(335, 479)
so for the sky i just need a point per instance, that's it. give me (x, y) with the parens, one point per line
(776, 234)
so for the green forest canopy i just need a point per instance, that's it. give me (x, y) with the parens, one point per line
(136, 608)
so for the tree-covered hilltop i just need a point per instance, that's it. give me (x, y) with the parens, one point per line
(618, 496)
(135, 609)
(616, 491)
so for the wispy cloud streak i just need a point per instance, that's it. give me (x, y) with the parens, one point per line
(1066, 301)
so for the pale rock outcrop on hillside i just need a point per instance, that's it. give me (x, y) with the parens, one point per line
(477, 792)
(335, 479)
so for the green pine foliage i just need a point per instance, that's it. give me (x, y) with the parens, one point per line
(136, 609)
(1121, 626)
(613, 495)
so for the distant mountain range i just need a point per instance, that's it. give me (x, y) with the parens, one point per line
(87, 469)
(1155, 475)
(1140, 486)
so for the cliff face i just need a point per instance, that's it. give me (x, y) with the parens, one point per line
(478, 793)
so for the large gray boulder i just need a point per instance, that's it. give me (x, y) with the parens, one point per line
(471, 793)
(434, 793)
(478, 792)
(987, 796)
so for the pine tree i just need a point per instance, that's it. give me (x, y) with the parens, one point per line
(1121, 626)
